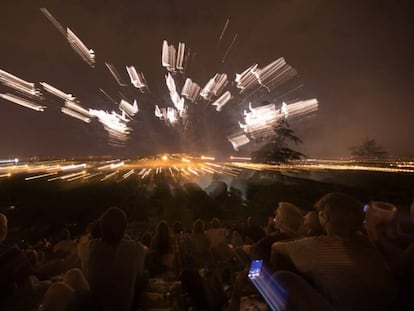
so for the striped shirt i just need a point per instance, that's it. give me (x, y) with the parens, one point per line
(348, 272)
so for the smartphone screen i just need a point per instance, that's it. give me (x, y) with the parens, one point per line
(255, 269)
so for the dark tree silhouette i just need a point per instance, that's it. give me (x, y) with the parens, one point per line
(277, 149)
(368, 150)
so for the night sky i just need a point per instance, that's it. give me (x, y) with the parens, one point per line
(354, 56)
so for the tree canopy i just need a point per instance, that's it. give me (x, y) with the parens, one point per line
(368, 150)
(277, 150)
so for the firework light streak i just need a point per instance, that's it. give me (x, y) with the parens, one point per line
(224, 29)
(129, 109)
(238, 140)
(175, 98)
(229, 48)
(52, 90)
(40, 176)
(214, 86)
(18, 84)
(22, 102)
(115, 74)
(53, 21)
(190, 90)
(137, 79)
(88, 55)
(75, 114)
(220, 102)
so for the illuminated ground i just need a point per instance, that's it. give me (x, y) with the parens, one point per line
(181, 166)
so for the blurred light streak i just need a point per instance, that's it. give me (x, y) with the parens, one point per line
(109, 175)
(224, 29)
(108, 96)
(115, 74)
(190, 90)
(40, 176)
(53, 21)
(240, 158)
(126, 175)
(73, 167)
(238, 140)
(129, 109)
(5, 175)
(175, 98)
(91, 176)
(214, 86)
(22, 102)
(207, 158)
(229, 48)
(18, 84)
(79, 177)
(75, 114)
(137, 79)
(88, 55)
(52, 90)
(220, 102)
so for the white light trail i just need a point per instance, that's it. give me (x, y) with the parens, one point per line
(137, 79)
(115, 74)
(190, 90)
(220, 102)
(113, 123)
(88, 55)
(129, 109)
(109, 175)
(40, 176)
(78, 108)
(22, 102)
(238, 140)
(73, 167)
(18, 84)
(180, 56)
(75, 115)
(214, 86)
(229, 48)
(300, 108)
(224, 29)
(126, 175)
(175, 98)
(53, 21)
(240, 158)
(260, 120)
(52, 90)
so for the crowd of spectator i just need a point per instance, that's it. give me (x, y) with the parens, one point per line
(340, 256)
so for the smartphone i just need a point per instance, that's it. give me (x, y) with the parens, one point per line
(256, 267)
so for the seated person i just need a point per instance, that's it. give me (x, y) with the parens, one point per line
(287, 223)
(114, 264)
(161, 257)
(16, 290)
(311, 224)
(345, 270)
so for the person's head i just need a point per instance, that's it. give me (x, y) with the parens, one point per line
(76, 280)
(57, 297)
(340, 214)
(94, 230)
(113, 224)
(198, 227)
(161, 240)
(311, 224)
(215, 223)
(251, 221)
(3, 227)
(178, 227)
(288, 218)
